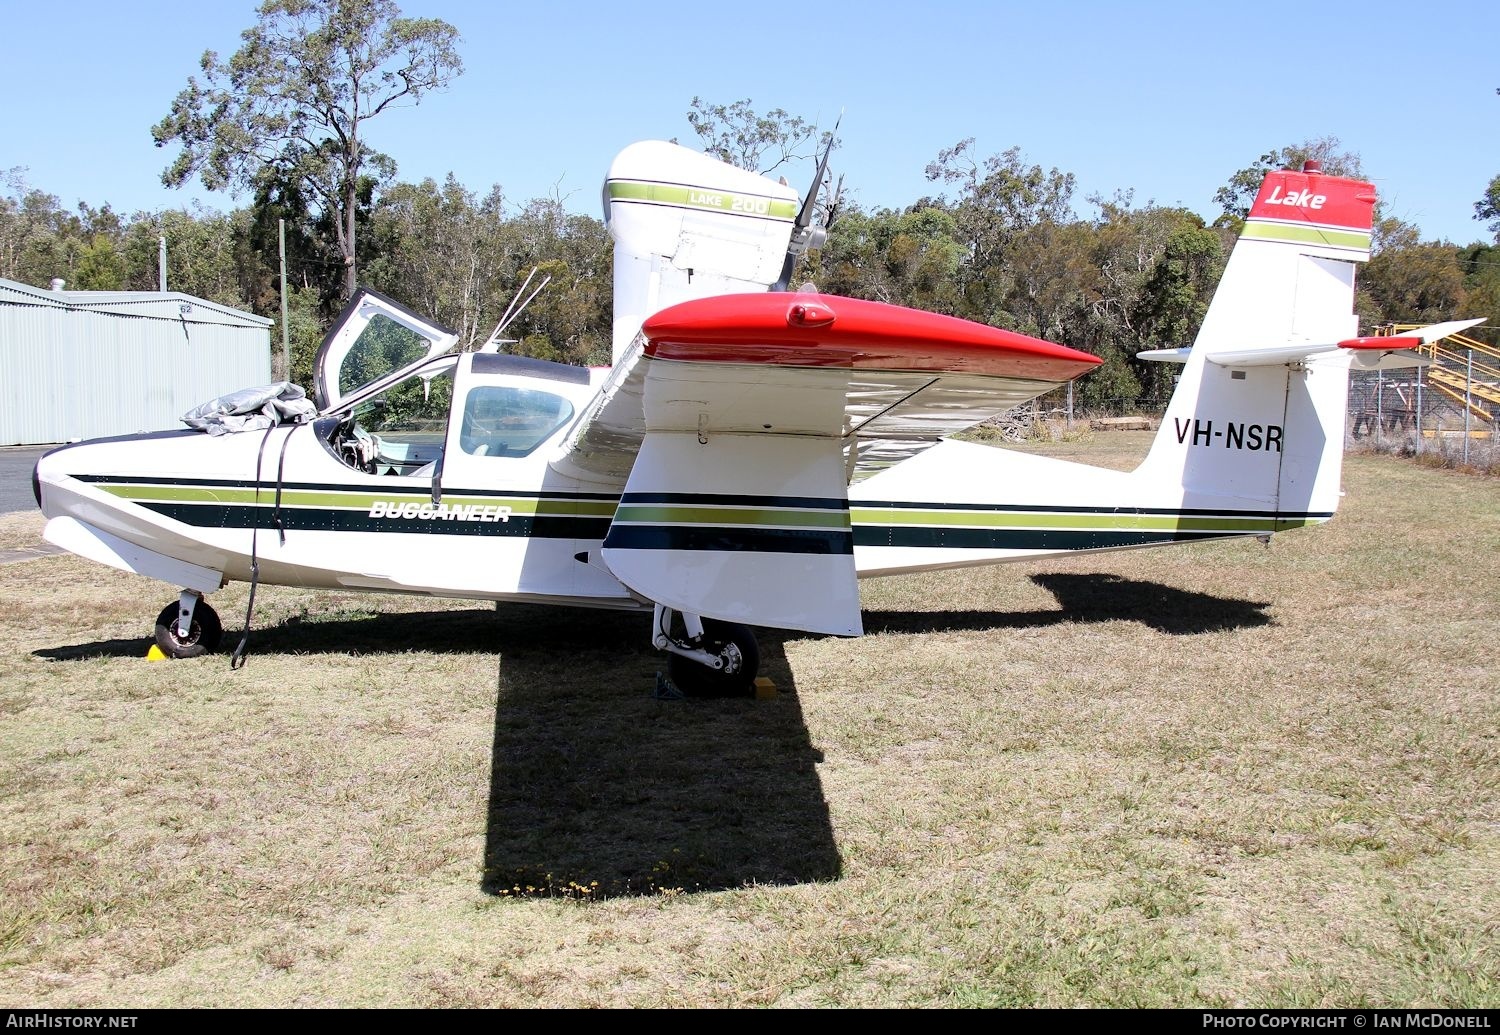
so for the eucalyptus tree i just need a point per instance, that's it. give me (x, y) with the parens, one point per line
(446, 252)
(737, 134)
(1000, 200)
(293, 101)
(906, 258)
(32, 224)
(1487, 208)
(208, 255)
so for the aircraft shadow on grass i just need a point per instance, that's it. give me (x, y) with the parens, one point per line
(439, 631)
(1081, 599)
(1092, 598)
(599, 788)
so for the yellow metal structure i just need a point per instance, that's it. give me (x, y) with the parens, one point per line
(1477, 387)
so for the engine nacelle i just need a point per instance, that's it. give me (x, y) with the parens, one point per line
(688, 226)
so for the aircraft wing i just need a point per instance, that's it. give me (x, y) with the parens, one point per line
(735, 424)
(886, 382)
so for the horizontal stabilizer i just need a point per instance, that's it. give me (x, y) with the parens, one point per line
(1442, 330)
(1274, 355)
(1366, 350)
(1165, 355)
(1374, 353)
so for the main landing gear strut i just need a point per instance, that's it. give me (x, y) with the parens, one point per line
(709, 658)
(188, 628)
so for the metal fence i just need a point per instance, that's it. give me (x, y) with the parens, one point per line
(1410, 410)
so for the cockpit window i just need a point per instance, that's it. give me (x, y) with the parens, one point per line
(382, 347)
(375, 342)
(505, 421)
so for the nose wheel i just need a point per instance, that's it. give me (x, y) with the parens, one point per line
(188, 628)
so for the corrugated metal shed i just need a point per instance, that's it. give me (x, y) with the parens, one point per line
(83, 364)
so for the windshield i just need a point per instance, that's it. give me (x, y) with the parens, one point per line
(374, 341)
(382, 347)
(500, 420)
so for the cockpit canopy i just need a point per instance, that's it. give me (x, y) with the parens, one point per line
(375, 342)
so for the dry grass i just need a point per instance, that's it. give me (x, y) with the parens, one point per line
(18, 531)
(1454, 452)
(1217, 775)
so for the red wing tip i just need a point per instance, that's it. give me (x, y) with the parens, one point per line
(1385, 344)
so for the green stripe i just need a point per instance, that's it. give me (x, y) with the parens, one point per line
(1260, 231)
(353, 500)
(731, 516)
(698, 197)
(1096, 522)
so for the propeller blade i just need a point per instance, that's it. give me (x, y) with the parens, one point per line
(804, 217)
(801, 237)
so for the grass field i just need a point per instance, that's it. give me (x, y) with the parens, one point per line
(1222, 774)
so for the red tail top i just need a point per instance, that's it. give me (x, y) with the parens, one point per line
(1309, 197)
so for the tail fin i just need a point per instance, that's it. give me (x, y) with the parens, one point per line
(1258, 415)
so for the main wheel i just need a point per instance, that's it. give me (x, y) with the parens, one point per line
(732, 642)
(203, 635)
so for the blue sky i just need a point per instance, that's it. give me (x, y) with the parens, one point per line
(1167, 99)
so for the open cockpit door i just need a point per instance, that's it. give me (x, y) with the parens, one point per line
(376, 340)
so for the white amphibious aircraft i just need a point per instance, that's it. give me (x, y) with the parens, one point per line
(751, 453)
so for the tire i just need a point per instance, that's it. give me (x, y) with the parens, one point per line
(202, 638)
(737, 679)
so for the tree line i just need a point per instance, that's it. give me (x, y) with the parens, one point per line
(999, 241)
(1001, 245)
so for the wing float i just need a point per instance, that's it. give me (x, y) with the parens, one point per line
(735, 425)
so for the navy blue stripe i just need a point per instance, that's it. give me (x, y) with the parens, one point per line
(146, 436)
(698, 499)
(1016, 508)
(1019, 538)
(608, 497)
(728, 540)
(213, 515)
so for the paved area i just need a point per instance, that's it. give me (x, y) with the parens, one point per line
(29, 553)
(16, 463)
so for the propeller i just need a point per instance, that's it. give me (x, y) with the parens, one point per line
(804, 234)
